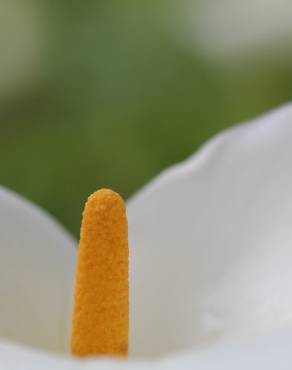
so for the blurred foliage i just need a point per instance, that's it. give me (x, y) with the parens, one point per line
(119, 99)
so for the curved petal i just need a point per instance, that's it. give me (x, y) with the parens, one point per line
(267, 352)
(36, 276)
(211, 242)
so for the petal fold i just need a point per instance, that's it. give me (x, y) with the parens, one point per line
(211, 242)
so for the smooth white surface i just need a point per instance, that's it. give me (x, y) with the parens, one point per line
(262, 353)
(210, 260)
(211, 239)
(37, 260)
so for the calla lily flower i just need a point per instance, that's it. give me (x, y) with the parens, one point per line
(210, 264)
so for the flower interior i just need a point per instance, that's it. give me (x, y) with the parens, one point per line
(100, 323)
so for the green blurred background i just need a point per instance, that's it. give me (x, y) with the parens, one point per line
(108, 93)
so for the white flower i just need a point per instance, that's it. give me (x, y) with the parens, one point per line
(210, 264)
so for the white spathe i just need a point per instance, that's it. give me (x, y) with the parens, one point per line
(270, 352)
(212, 241)
(210, 263)
(37, 263)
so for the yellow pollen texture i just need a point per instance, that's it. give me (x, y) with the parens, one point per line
(100, 322)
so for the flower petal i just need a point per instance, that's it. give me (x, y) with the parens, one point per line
(211, 242)
(267, 352)
(36, 277)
